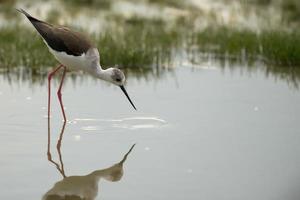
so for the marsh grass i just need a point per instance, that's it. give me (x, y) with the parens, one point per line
(138, 44)
(273, 47)
(21, 47)
(138, 48)
(170, 3)
(145, 50)
(100, 4)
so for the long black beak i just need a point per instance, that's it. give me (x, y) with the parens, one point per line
(123, 89)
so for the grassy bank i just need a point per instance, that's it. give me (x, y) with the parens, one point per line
(142, 45)
(142, 48)
(145, 50)
(278, 48)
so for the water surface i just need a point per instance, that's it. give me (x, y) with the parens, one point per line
(200, 133)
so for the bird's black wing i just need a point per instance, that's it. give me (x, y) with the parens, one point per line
(60, 39)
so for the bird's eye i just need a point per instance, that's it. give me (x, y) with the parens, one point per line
(118, 80)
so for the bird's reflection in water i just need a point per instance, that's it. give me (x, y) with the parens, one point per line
(80, 187)
(59, 167)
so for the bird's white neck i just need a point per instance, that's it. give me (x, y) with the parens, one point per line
(104, 74)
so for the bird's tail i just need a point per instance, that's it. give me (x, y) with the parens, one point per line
(27, 15)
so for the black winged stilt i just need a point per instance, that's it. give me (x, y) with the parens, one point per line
(75, 52)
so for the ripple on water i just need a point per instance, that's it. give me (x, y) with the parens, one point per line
(130, 123)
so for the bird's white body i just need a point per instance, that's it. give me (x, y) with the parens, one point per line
(87, 62)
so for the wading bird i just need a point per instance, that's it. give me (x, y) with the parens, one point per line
(74, 52)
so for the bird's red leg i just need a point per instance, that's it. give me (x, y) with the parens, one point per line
(49, 86)
(59, 93)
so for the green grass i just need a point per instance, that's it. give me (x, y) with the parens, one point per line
(273, 47)
(138, 44)
(138, 48)
(100, 4)
(23, 56)
(170, 3)
(281, 48)
(142, 45)
(20, 47)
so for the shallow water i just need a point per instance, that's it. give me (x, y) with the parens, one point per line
(200, 133)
